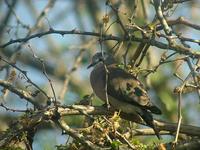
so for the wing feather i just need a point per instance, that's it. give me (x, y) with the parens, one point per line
(124, 86)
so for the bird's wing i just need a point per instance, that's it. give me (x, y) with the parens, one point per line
(125, 87)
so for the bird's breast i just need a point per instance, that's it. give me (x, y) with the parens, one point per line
(98, 82)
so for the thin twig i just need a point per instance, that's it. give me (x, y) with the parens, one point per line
(106, 86)
(7, 17)
(144, 52)
(179, 108)
(126, 53)
(76, 135)
(179, 118)
(13, 110)
(50, 82)
(25, 74)
(105, 67)
(194, 77)
(68, 74)
(45, 73)
(60, 32)
(120, 135)
(125, 140)
(118, 18)
(17, 17)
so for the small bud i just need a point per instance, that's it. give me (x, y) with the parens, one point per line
(106, 19)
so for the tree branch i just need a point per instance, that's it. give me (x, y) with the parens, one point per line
(21, 93)
(100, 110)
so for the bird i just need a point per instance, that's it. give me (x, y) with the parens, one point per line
(123, 91)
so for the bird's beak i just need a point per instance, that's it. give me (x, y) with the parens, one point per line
(93, 63)
(90, 65)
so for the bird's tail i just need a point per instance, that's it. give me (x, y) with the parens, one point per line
(148, 118)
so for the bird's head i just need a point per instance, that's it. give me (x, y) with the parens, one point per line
(105, 58)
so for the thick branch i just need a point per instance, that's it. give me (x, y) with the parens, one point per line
(21, 93)
(99, 110)
(157, 5)
(178, 48)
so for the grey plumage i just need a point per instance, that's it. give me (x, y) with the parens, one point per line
(125, 92)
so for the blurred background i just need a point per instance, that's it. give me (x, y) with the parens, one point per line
(66, 56)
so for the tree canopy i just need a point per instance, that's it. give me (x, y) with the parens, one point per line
(46, 100)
